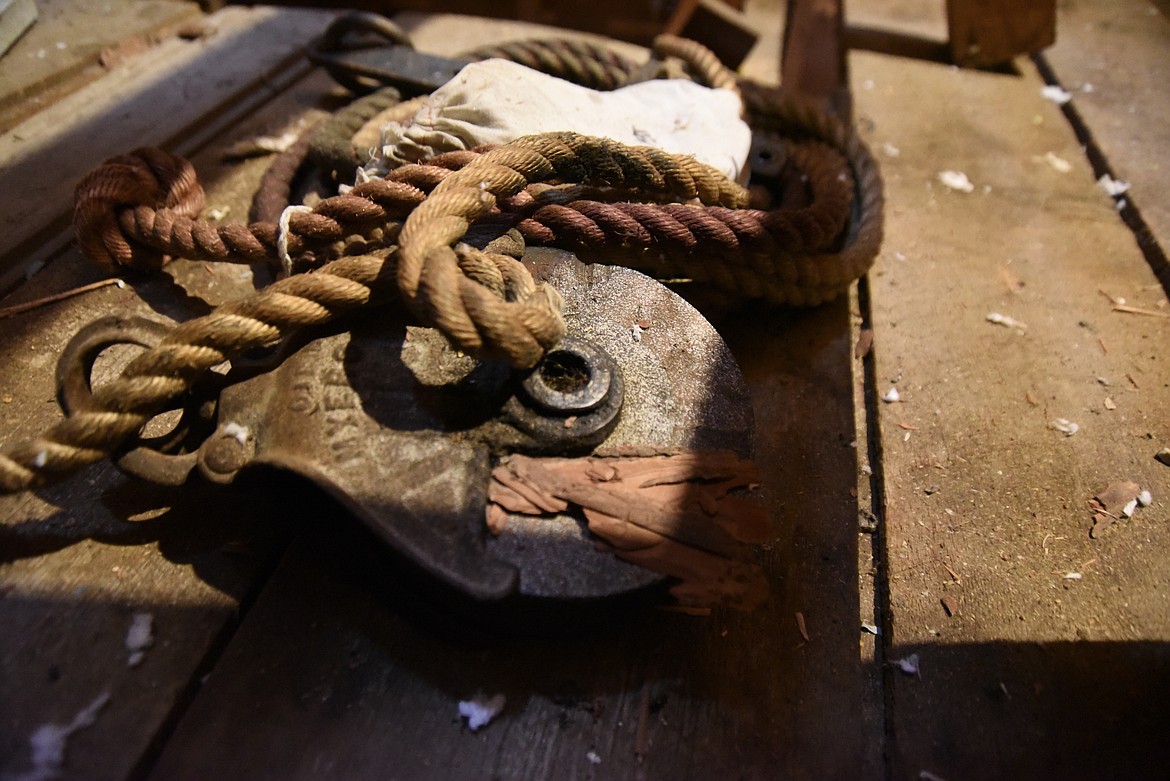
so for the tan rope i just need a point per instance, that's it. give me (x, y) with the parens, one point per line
(701, 63)
(485, 302)
(162, 374)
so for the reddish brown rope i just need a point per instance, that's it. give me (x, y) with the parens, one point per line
(139, 208)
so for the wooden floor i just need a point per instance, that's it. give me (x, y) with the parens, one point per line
(961, 622)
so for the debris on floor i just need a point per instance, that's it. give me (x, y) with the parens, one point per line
(1064, 426)
(1006, 321)
(891, 396)
(481, 709)
(1057, 162)
(258, 146)
(1056, 94)
(909, 665)
(139, 637)
(48, 743)
(1118, 501)
(1112, 187)
(593, 757)
(956, 180)
(1163, 456)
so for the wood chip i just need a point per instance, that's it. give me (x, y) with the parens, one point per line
(951, 606)
(1137, 310)
(802, 627)
(864, 343)
(1111, 504)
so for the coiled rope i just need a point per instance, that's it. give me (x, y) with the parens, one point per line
(137, 209)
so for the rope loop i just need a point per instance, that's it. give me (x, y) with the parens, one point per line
(147, 177)
(680, 218)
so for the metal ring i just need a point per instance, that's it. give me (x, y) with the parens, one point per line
(148, 459)
(573, 378)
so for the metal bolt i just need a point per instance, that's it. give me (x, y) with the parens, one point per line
(224, 455)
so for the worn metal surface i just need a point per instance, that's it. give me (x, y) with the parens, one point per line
(403, 429)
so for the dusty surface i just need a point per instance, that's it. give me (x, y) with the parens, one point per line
(1025, 630)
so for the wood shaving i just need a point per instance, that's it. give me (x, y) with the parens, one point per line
(480, 709)
(1006, 321)
(956, 180)
(672, 513)
(1111, 505)
(1112, 187)
(1056, 94)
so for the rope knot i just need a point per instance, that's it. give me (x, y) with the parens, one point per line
(145, 177)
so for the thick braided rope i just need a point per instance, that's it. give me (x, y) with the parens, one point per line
(746, 253)
(124, 220)
(432, 279)
(146, 175)
(162, 374)
(774, 244)
(581, 62)
(701, 63)
(488, 301)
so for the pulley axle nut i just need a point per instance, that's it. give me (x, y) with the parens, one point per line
(574, 378)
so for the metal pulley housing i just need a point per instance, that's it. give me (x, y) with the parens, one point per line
(404, 430)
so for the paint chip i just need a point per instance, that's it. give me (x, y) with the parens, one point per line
(909, 665)
(1056, 94)
(139, 637)
(1112, 187)
(1006, 321)
(1058, 163)
(1064, 426)
(48, 742)
(956, 180)
(233, 429)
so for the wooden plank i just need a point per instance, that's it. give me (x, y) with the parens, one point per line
(991, 32)
(62, 52)
(814, 59)
(332, 673)
(985, 503)
(1112, 58)
(725, 31)
(79, 560)
(159, 98)
(16, 16)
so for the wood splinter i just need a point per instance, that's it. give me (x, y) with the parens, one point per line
(673, 513)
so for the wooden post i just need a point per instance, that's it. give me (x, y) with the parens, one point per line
(984, 33)
(813, 62)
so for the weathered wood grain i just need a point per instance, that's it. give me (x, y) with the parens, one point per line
(165, 97)
(1113, 58)
(1026, 630)
(79, 560)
